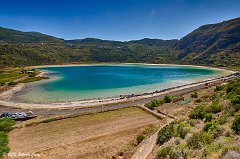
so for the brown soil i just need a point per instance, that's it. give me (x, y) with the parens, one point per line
(100, 135)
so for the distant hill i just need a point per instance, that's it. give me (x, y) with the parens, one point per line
(27, 48)
(155, 42)
(10, 35)
(213, 44)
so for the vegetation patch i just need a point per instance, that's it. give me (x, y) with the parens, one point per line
(199, 140)
(174, 129)
(154, 103)
(236, 123)
(6, 125)
(167, 99)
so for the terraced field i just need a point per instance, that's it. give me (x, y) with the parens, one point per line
(100, 135)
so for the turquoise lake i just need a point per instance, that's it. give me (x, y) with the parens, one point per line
(71, 83)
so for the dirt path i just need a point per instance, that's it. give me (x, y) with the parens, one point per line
(146, 147)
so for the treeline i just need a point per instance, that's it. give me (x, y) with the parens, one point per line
(26, 54)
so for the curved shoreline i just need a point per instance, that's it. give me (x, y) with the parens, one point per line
(5, 96)
(112, 63)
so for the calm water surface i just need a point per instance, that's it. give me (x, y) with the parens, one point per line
(102, 81)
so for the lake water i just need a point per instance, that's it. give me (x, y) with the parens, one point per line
(71, 83)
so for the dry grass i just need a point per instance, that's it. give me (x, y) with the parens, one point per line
(100, 135)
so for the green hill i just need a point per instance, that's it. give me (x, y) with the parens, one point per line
(13, 36)
(214, 44)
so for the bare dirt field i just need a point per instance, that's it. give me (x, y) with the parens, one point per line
(99, 135)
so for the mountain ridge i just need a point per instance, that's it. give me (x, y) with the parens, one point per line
(212, 44)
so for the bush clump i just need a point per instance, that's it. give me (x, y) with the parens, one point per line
(172, 152)
(163, 152)
(165, 134)
(154, 103)
(4, 149)
(6, 124)
(12, 83)
(140, 138)
(198, 140)
(233, 85)
(219, 88)
(216, 107)
(208, 117)
(213, 128)
(168, 99)
(235, 100)
(210, 126)
(236, 122)
(199, 100)
(198, 112)
(174, 129)
(181, 130)
(194, 95)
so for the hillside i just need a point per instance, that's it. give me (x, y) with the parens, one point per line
(214, 44)
(14, 36)
(49, 50)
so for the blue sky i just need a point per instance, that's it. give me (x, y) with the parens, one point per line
(115, 19)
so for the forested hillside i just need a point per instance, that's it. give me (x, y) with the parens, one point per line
(214, 44)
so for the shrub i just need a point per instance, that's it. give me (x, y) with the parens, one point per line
(214, 129)
(236, 123)
(198, 113)
(198, 100)
(198, 140)
(177, 152)
(2, 83)
(223, 118)
(208, 117)
(154, 103)
(181, 130)
(194, 95)
(165, 134)
(216, 107)
(214, 147)
(3, 144)
(140, 138)
(12, 83)
(209, 126)
(163, 152)
(233, 85)
(218, 88)
(235, 100)
(6, 124)
(167, 99)
(172, 152)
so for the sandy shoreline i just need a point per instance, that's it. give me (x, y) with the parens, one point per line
(96, 64)
(5, 96)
